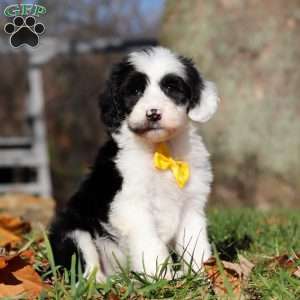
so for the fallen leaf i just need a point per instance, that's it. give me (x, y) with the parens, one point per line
(17, 277)
(287, 262)
(3, 262)
(28, 255)
(10, 230)
(14, 224)
(113, 296)
(246, 266)
(284, 261)
(8, 238)
(235, 274)
(233, 267)
(217, 278)
(297, 273)
(38, 210)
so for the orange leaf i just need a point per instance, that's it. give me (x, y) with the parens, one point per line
(18, 277)
(14, 224)
(3, 262)
(235, 274)
(28, 255)
(217, 278)
(113, 296)
(8, 238)
(286, 262)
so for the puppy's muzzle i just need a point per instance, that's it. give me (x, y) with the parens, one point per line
(153, 115)
(151, 122)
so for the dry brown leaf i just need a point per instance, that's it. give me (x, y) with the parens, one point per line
(36, 209)
(232, 267)
(3, 262)
(286, 262)
(14, 224)
(297, 272)
(17, 277)
(8, 238)
(217, 279)
(28, 255)
(10, 230)
(246, 266)
(113, 296)
(235, 273)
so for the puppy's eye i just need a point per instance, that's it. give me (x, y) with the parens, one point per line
(133, 91)
(137, 92)
(173, 88)
(169, 87)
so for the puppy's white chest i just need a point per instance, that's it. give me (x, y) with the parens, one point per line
(166, 204)
(151, 193)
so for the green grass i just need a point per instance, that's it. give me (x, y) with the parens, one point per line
(257, 236)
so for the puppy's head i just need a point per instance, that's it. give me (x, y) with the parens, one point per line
(156, 93)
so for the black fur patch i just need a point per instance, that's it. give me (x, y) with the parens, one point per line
(99, 188)
(132, 89)
(123, 89)
(89, 206)
(111, 112)
(193, 80)
(175, 88)
(63, 247)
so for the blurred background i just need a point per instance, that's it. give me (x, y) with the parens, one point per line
(251, 49)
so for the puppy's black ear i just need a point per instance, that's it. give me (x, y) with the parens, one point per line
(108, 108)
(204, 96)
(111, 102)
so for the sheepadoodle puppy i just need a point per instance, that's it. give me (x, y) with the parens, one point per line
(147, 190)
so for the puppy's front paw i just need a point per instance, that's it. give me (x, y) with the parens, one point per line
(89, 270)
(196, 260)
(206, 253)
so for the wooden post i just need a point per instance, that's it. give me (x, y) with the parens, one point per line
(36, 111)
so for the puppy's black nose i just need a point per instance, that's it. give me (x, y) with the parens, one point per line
(153, 115)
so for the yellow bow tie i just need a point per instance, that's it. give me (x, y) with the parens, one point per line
(163, 161)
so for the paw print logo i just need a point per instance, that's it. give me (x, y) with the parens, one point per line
(24, 31)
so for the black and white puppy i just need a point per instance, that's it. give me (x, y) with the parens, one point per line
(126, 209)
